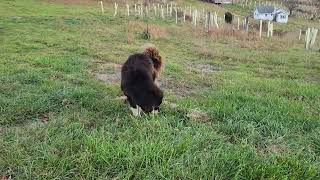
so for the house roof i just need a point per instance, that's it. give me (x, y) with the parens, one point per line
(265, 9)
(221, 0)
(282, 11)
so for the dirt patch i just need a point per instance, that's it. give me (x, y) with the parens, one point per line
(171, 105)
(110, 72)
(66, 103)
(198, 115)
(105, 65)
(107, 71)
(184, 87)
(203, 68)
(292, 96)
(191, 114)
(73, 2)
(109, 78)
(273, 149)
(179, 88)
(46, 117)
(276, 148)
(4, 178)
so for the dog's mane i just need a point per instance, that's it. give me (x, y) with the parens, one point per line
(157, 60)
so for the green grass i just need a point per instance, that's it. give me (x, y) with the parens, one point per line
(260, 101)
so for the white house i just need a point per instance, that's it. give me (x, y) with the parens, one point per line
(282, 16)
(264, 13)
(222, 1)
(270, 13)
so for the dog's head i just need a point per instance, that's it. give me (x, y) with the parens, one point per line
(152, 100)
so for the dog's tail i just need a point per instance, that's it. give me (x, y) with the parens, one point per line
(154, 54)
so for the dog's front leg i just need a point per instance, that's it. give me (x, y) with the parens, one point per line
(136, 111)
(155, 112)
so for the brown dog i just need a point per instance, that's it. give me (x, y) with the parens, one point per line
(138, 75)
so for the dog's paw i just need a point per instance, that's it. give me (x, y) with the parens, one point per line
(155, 112)
(136, 111)
(122, 98)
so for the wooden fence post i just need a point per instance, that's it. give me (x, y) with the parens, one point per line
(206, 22)
(307, 38)
(147, 11)
(195, 18)
(247, 26)
(192, 18)
(128, 9)
(115, 9)
(141, 7)
(260, 29)
(155, 10)
(135, 9)
(203, 14)
(176, 15)
(314, 36)
(216, 19)
(268, 32)
(300, 34)
(270, 29)
(102, 9)
(211, 19)
(162, 12)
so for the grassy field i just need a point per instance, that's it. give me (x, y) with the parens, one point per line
(234, 107)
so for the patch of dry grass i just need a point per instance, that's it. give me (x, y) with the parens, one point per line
(156, 31)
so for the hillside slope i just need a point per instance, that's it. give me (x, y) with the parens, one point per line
(236, 106)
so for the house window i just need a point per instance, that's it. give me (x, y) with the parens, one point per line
(266, 15)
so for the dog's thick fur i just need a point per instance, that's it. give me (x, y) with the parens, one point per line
(138, 76)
